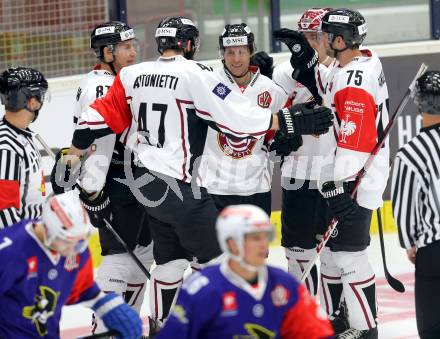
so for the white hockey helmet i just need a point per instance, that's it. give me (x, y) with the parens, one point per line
(65, 218)
(238, 220)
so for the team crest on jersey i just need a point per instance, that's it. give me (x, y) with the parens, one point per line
(280, 295)
(221, 90)
(347, 132)
(32, 267)
(237, 149)
(72, 262)
(230, 306)
(264, 99)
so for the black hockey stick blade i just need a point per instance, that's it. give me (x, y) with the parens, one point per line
(393, 282)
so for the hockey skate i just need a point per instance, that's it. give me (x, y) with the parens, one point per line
(339, 318)
(353, 333)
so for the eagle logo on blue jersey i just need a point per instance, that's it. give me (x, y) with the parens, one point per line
(43, 309)
(221, 90)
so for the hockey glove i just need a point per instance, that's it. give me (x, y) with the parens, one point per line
(339, 201)
(118, 316)
(303, 60)
(63, 177)
(264, 62)
(305, 118)
(284, 145)
(98, 208)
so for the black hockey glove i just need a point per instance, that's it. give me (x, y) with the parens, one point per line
(264, 62)
(340, 201)
(284, 145)
(305, 118)
(303, 60)
(63, 177)
(98, 208)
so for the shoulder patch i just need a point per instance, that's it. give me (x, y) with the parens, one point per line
(78, 93)
(221, 90)
(193, 284)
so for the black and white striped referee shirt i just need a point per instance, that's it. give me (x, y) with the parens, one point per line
(22, 188)
(415, 189)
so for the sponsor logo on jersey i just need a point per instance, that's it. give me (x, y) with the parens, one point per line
(32, 267)
(221, 90)
(78, 93)
(230, 306)
(72, 262)
(280, 295)
(237, 149)
(264, 99)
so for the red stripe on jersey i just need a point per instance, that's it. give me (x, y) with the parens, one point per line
(113, 107)
(92, 123)
(84, 280)
(182, 134)
(303, 321)
(356, 110)
(9, 194)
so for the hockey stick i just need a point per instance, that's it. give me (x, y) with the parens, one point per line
(106, 334)
(331, 227)
(393, 282)
(107, 224)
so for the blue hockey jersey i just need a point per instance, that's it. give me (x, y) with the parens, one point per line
(35, 283)
(217, 303)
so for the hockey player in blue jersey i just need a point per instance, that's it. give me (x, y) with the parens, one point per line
(45, 264)
(242, 297)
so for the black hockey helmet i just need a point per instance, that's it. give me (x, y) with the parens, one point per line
(347, 23)
(427, 96)
(174, 33)
(236, 35)
(109, 34)
(19, 84)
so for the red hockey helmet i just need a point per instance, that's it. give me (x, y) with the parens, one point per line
(311, 19)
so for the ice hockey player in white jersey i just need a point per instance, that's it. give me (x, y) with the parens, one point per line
(22, 187)
(238, 170)
(301, 170)
(115, 46)
(356, 91)
(173, 100)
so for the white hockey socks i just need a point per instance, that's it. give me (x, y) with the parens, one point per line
(164, 283)
(359, 287)
(298, 259)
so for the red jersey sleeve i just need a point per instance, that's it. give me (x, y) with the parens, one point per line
(113, 107)
(303, 321)
(356, 110)
(83, 283)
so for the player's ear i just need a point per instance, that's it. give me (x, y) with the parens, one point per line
(107, 53)
(232, 246)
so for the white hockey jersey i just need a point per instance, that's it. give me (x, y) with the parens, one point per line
(358, 96)
(97, 158)
(241, 166)
(22, 186)
(310, 160)
(172, 101)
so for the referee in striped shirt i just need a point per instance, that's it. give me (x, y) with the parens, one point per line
(22, 189)
(416, 204)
